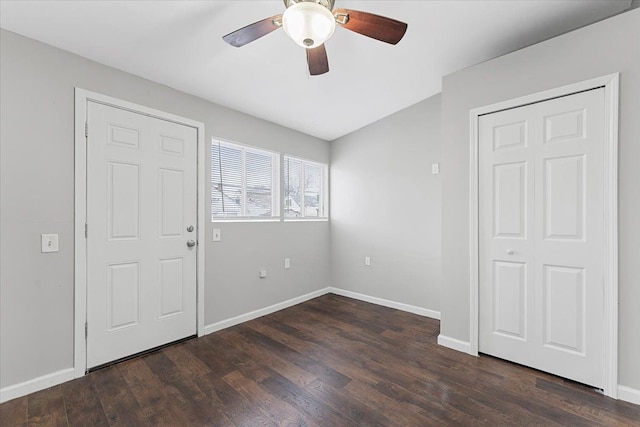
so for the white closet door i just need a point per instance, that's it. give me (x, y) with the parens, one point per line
(141, 202)
(541, 236)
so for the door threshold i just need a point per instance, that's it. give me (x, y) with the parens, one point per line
(142, 353)
(553, 377)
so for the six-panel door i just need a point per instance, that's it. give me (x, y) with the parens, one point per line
(141, 198)
(541, 236)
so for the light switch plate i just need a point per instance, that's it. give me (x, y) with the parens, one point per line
(50, 243)
(217, 235)
(435, 168)
(367, 260)
(287, 263)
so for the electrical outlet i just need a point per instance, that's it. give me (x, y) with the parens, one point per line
(367, 260)
(263, 274)
(287, 263)
(435, 168)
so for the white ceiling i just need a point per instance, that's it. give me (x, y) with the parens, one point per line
(179, 44)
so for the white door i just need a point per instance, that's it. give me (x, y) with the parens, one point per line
(541, 239)
(141, 216)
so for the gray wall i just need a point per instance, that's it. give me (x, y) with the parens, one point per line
(606, 47)
(37, 179)
(385, 203)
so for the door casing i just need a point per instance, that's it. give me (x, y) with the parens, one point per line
(82, 97)
(610, 83)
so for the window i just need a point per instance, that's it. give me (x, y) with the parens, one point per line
(305, 184)
(244, 182)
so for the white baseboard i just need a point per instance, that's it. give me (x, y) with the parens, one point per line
(36, 384)
(227, 323)
(386, 303)
(629, 394)
(454, 344)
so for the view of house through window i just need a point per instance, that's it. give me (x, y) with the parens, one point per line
(244, 182)
(304, 188)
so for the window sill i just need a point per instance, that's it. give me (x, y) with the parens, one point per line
(222, 220)
(306, 220)
(227, 220)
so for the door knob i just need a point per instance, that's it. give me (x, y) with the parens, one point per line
(190, 228)
(191, 243)
(510, 251)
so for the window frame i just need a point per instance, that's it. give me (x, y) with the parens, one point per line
(324, 189)
(275, 181)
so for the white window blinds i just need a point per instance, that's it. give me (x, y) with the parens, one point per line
(305, 185)
(244, 182)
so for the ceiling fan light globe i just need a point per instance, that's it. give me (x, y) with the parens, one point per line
(308, 24)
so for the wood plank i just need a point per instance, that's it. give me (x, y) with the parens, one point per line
(186, 397)
(612, 412)
(315, 367)
(240, 410)
(118, 402)
(83, 404)
(288, 370)
(299, 398)
(279, 411)
(376, 401)
(186, 360)
(14, 412)
(156, 401)
(47, 408)
(347, 405)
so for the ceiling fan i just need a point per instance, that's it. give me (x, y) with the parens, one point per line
(310, 23)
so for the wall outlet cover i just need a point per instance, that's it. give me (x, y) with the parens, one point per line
(50, 243)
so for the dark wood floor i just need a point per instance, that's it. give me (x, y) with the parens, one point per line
(331, 361)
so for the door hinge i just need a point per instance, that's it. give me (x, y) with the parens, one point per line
(86, 230)
(86, 330)
(604, 296)
(86, 129)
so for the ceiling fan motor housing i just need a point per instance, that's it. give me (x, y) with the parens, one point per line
(308, 23)
(326, 3)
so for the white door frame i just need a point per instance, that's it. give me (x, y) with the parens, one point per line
(610, 84)
(82, 98)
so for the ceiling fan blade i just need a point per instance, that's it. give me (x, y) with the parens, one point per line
(317, 60)
(377, 27)
(253, 31)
